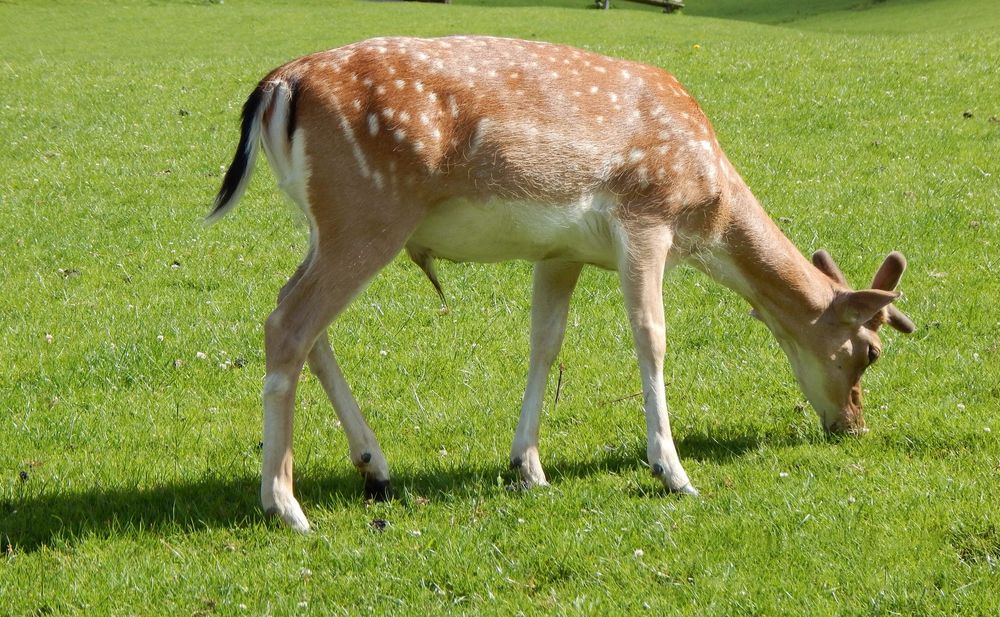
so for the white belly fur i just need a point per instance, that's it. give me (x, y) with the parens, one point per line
(490, 231)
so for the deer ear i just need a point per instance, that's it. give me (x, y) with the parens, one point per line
(890, 272)
(900, 321)
(822, 260)
(859, 307)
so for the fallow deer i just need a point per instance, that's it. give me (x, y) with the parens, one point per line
(489, 149)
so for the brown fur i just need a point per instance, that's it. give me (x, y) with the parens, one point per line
(393, 128)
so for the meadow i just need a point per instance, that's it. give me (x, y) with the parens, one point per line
(131, 336)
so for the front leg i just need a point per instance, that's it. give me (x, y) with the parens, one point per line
(553, 285)
(641, 272)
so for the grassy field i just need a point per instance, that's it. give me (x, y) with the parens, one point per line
(132, 342)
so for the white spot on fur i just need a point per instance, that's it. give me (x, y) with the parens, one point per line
(359, 154)
(356, 104)
(425, 119)
(418, 86)
(400, 84)
(388, 112)
(399, 135)
(372, 125)
(380, 89)
(453, 106)
(378, 180)
(477, 136)
(613, 97)
(635, 155)
(404, 116)
(594, 89)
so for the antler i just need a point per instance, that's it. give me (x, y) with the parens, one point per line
(826, 265)
(886, 279)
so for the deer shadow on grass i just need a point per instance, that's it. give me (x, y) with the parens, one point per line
(30, 522)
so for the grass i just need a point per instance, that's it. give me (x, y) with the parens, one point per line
(129, 465)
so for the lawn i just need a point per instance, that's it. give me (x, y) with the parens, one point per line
(133, 357)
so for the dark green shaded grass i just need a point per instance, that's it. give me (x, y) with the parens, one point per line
(142, 473)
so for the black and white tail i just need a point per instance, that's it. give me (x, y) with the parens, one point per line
(271, 96)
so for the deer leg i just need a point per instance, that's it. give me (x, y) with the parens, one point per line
(361, 441)
(365, 451)
(641, 273)
(324, 286)
(553, 285)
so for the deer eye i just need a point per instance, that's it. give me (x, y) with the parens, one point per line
(873, 354)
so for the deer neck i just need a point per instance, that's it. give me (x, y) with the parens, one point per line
(755, 259)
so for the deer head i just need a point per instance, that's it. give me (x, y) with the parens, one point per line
(843, 342)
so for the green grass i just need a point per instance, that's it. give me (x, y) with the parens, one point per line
(846, 117)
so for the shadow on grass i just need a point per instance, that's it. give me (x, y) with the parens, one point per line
(30, 522)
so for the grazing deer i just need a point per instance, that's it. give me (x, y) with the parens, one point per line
(488, 149)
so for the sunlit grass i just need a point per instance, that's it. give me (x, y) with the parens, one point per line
(131, 336)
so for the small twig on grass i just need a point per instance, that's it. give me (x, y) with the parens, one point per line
(562, 367)
(623, 398)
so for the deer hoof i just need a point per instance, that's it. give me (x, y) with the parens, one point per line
(291, 515)
(377, 490)
(687, 489)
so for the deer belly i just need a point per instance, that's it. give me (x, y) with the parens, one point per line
(496, 230)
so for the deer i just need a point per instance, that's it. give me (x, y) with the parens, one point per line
(484, 149)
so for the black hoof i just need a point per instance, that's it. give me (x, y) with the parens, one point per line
(515, 463)
(657, 469)
(377, 490)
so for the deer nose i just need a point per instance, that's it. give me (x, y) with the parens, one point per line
(851, 425)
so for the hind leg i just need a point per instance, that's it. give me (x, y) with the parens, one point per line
(364, 448)
(338, 269)
(366, 454)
